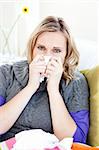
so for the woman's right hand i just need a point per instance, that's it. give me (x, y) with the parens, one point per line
(14, 107)
(36, 67)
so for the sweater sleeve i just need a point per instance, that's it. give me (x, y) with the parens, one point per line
(2, 100)
(4, 79)
(82, 120)
(76, 94)
(76, 100)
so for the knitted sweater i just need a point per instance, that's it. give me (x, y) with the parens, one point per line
(36, 114)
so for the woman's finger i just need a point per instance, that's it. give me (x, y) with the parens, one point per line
(40, 70)
(52, 63)
(38, 58)
(58, 60)
(48, 73)
(50, 67)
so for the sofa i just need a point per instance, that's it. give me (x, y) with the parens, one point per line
(92, 76)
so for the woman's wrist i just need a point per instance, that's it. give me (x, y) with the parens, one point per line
(53, 88)
(53, 91)
(31, 88)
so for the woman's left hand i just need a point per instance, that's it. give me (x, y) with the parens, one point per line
(54, 72)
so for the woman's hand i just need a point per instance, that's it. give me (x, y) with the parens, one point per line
(36, 67)
(54, 72)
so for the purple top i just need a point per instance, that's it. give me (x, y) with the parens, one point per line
(2, 100)
(80, 117)
(82, 120)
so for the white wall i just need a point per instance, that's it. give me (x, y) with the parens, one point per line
(15, 30)
(80, 15)
(82, 18)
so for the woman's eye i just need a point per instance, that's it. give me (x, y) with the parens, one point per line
(41, 48)
(56, 50)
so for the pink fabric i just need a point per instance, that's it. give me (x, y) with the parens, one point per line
(55, 148)
(10, 143)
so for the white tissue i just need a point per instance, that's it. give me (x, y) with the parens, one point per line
(47, 59)
(66, 143)
(34, 139)
(38, 139)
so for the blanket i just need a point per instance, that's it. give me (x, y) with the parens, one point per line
(40, 140)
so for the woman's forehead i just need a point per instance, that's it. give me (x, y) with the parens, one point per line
(53, 38)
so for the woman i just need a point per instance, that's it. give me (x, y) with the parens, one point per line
(59, 104)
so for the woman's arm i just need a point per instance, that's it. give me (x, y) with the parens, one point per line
(67, 124)
(10, 111)
(63, 124)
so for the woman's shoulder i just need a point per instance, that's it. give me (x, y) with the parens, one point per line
(21, 71)
(78, 76)
(76, 93)
(5, 71)
(21, 63)
(8, 66)
(78, 79)
(17, 69)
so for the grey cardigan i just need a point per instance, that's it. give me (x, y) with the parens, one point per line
(13, 78)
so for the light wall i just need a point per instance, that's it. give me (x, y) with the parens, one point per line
(82, 16)
(16, 25)
(83, 19)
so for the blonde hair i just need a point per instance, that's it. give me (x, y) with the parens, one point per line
(54, 24)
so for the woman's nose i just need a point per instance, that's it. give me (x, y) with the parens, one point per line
(48, 53)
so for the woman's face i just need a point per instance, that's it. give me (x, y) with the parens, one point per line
(51, 44)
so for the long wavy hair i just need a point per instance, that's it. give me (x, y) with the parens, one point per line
(54, 24)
